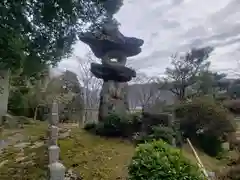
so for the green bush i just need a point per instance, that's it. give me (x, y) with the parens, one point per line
(116, 125)
(154, 119)
(134, 122)
(158, 160)
(112, 125)
(90, 126)
(205, 121)
(167, 134)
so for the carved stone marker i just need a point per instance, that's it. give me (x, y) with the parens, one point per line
(53, 154)
(113, 48)
(57, 171)
(4, 92)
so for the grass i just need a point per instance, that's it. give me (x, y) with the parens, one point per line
(93, 157)
(32, 164)
(210, 163)
(27, 163)
(96, 158)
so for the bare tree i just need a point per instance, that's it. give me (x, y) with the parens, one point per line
(91, 85)
(185, 70)
(145, 90)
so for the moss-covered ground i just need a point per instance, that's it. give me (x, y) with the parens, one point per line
(24, 161)
(93, 157)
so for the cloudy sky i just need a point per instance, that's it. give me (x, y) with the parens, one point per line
(169, 26)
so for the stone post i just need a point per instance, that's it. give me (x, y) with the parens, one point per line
(54, 120)
(53, 135)
(53, 154)
(56, 169)
(4, 93)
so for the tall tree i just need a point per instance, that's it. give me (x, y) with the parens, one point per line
(185, 70)
(38, 33)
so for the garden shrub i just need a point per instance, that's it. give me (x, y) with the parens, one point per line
(116, 125)
(166, 134)
(90, 126)
(205, 121)
(204, 142)
(158, 160)
(112, 125)
(154, 119)
(134, 122)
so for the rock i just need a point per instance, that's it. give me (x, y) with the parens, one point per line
(3, 163)
(70, 175)
(10, 121)
(22, 145)
(64, 135)
(113, 99)
(102, 44)
(37, 144)
(20, 159)
(226, 146)
(109, 72)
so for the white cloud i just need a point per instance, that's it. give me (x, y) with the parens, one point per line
(168, 26)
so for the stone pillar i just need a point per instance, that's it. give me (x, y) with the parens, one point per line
(53, 135)
(54, 120)
(56, 169)
(113, 96)
(113, 99)
(4, 93)
(53, 154)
